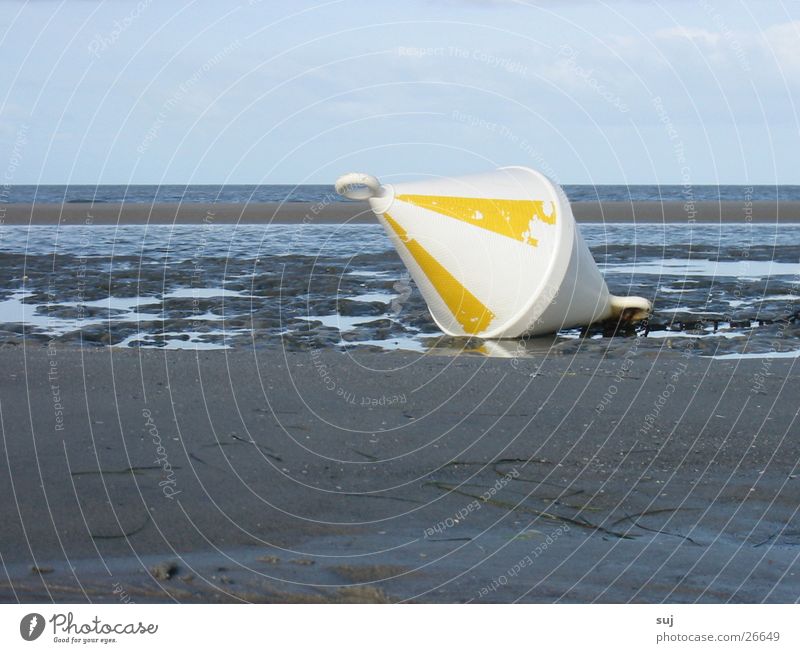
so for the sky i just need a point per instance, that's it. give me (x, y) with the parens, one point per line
(617, 92)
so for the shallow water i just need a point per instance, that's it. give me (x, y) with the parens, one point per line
(727, 290)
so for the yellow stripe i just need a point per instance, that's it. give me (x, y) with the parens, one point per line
(511, 218)
(468, 310)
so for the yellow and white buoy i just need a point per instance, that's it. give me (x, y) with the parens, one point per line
(495, 255)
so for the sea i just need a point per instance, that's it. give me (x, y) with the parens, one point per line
(243, 193)
(718, 290)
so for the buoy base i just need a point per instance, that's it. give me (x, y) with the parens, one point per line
(630, 309)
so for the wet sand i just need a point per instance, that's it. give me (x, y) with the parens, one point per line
(358, 212)
(244, 475)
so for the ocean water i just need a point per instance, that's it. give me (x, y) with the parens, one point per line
(723, 290)
(318, 193)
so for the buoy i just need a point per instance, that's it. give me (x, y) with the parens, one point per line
(495, 255)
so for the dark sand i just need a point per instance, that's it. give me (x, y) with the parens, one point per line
(358, 212)
(289, 489)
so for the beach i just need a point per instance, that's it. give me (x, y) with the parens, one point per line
(214, 411)
(331, 212)
(148, 475)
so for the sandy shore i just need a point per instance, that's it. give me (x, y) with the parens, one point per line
(152, 475)
(357, 212)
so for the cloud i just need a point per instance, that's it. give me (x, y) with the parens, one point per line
(782, 42)
(699, 35)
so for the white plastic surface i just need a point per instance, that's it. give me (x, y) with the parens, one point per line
(495, 255)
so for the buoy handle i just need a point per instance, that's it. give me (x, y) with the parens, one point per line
(358, 186)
